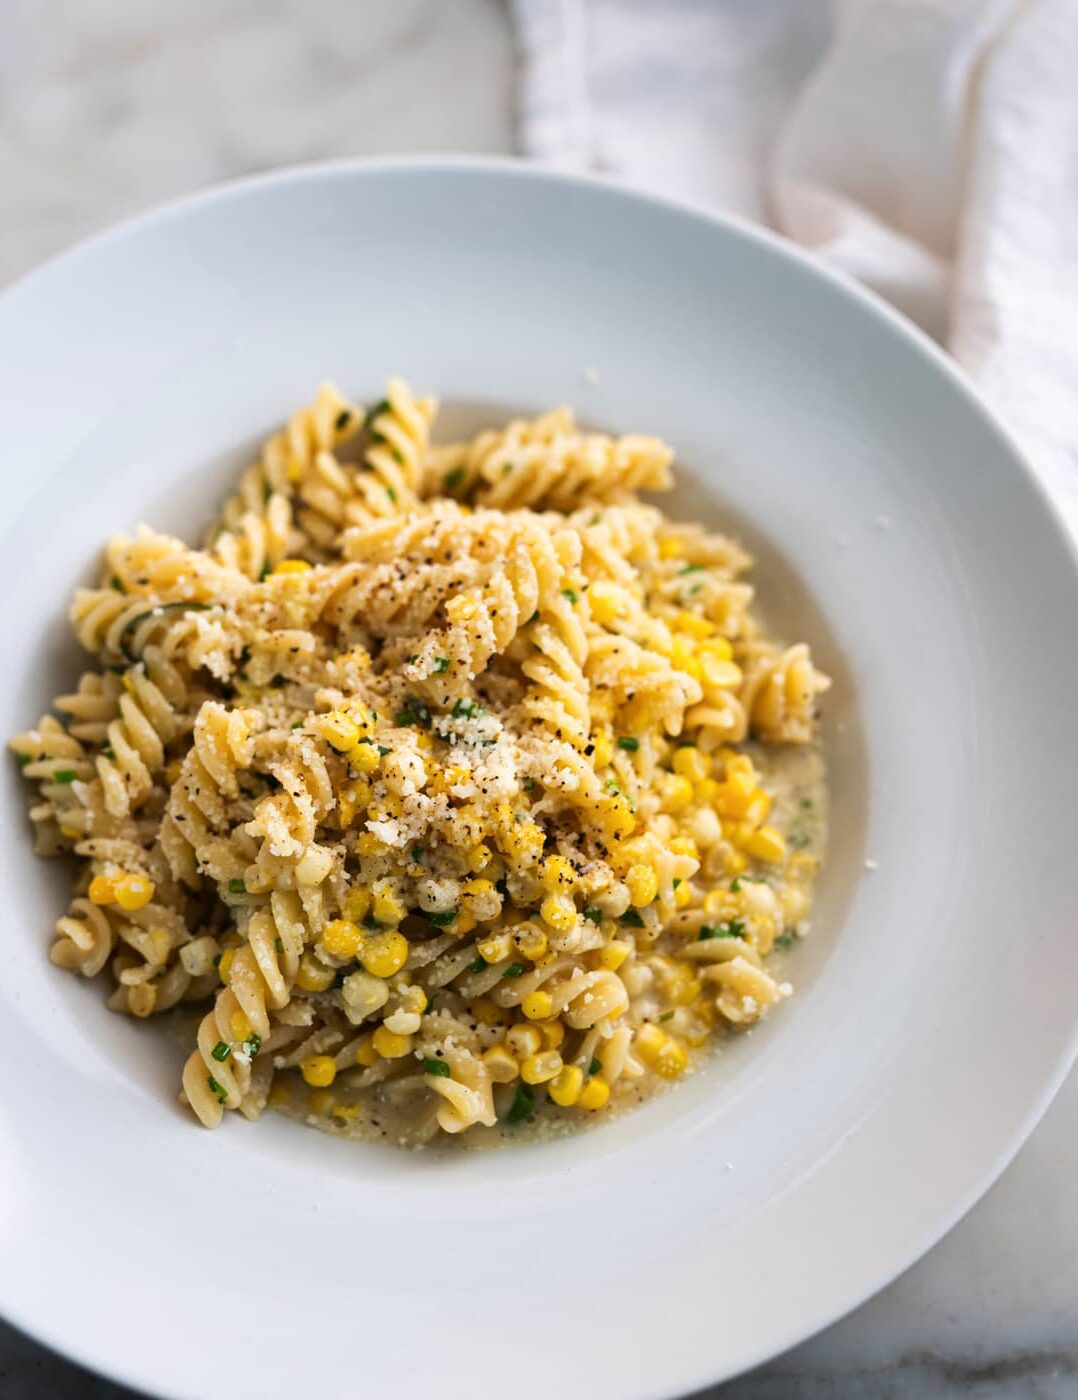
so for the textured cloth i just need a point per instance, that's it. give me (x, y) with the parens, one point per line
(928, 148)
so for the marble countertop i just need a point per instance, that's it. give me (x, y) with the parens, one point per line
(107, 108)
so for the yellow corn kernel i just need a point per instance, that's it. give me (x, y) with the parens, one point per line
(604, 748)
(320, 1102)
(686, 989)
(802, 865)
(553, 1033)
(385, 954)
(558, 875)
(676, 793)
(766, 844)
(390, 1045)
(759, 807)
(357, 903)
(671, 1059)
(734, 796)
(292, 566)
(340, 732)
(685, 846)
(478, 858)
(694, 626)
(559, 911)
(735, 863)
(342, 938)
(240, 1027)
(594, 1095)
(532, 942)
(537, 1069)
(643, 884)
(368, 844)
(225, 964)
(611, 956)
(741, 763)
(606, 600)
(670, 547)
(487, 1012)
(102, 890)
(691, 763)
(494, 948)
(720, 675)
(386, 907)
(616, 815)
(524, 1040)
(318, 1071)
(312, 976)
(683, 657)
(719, 902)
(364, 757)
(649, 1042)
(706, 792)
(683, 895)
(346, 1111)
(522, 842)
(566, 1085)
(133, 892)
(537, 1006)
(141, 999)
(365, 1052)
(501, 1066)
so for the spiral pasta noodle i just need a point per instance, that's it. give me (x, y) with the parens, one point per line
(458, 789)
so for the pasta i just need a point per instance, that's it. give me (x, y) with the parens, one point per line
(451, 788)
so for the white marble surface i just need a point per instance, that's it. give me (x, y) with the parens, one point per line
(107, 107)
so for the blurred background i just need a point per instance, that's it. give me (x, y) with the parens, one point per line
(927, 147)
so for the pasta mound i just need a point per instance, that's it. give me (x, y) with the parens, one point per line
(429, 778)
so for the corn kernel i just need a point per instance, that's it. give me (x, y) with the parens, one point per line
(603, 750)
(611, 956)
(340, 732)
(594, 1095)
(225, 965)
(706, 792)
(734, 796)
(364, 758)
(537, 1069)
(102, 890)
(686, 989)
(537, 1006)
(318, 1071)
(386, 907)
(694, 626)
(487, 1012)
(766, 844)
(559, 911)
(676, 793)
(643, 884)
(385, 954)
(720, 675)
(292, 566)
(616, 816)
(141, 999)
(606, 601)
(524, 1040)
(649, 1042)
(357, 903)
(670, 547)
(685, 846)
(566, 1085)
(683, 657)
(558, 875)
(313, 976)
(495, 948)
(683, 895)
(691, 763)
(368, 844)
(478, 858)
(341, 938)
(532, 942)
(365, 1052)
(133, 892)
(501, 1066)
(240, 1027)
(671, 1059)
(390, 1045)
(553, 1033)
(735, 863)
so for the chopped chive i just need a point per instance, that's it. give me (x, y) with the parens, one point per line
(267, 493)
(237, 887)
(632, 918)
(676, 881)
(452, 479)
(343, 419)
(389, 489)
(784, 942)
(221, 1051)
(114, 582)
(514, 970)
(734, 928)
(442, 919)
(413, 658)
(108, 752)
(278, 946)
(264, 572)
(369, 921)
(383, 750)
(691, 569)
(522, 1105)
(572, 595)
(64, 775)
(534, 618)
(215, 1088)
(735, 884)
(253, 1044)
(441, 665)
(476, 965)
(595, 1066)
(805, 803)
(417, 854)
(298, 724)
(595, 915)
(507, 468)
(436, 1067)
(528, 784)
(372, 413)
(22, 759)
(666, 1016)
(628, 743)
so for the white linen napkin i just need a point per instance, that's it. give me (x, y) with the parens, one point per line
(928, 148)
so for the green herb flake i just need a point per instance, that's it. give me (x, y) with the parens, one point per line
(298, 724)
(390, 492)
(476, 965)
(595, 915)
(278, 946)
(267, 494)
(463, 709)
(114, 582)
(572, 595)
(215, 1088)
(734, 928)
(691, 569)
(628, 743)
(264, 572)
(514, 970)
(342, 419)
(735, 884)
(417, 854)
(22, 759)
(379, 408)
(438, 1068)
(441, 665)
(632, 918)
(666, 1016)
(522, 1105)
(253, 1044)
(221, 1051)
(595, 1066)
(453, 479)
(64, 775)
(237, 887)
(534, 618)
(442, 919)
(784, 942)
(805, 804)
(677, 880)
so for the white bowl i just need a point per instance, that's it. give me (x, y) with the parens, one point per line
(898, 529)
